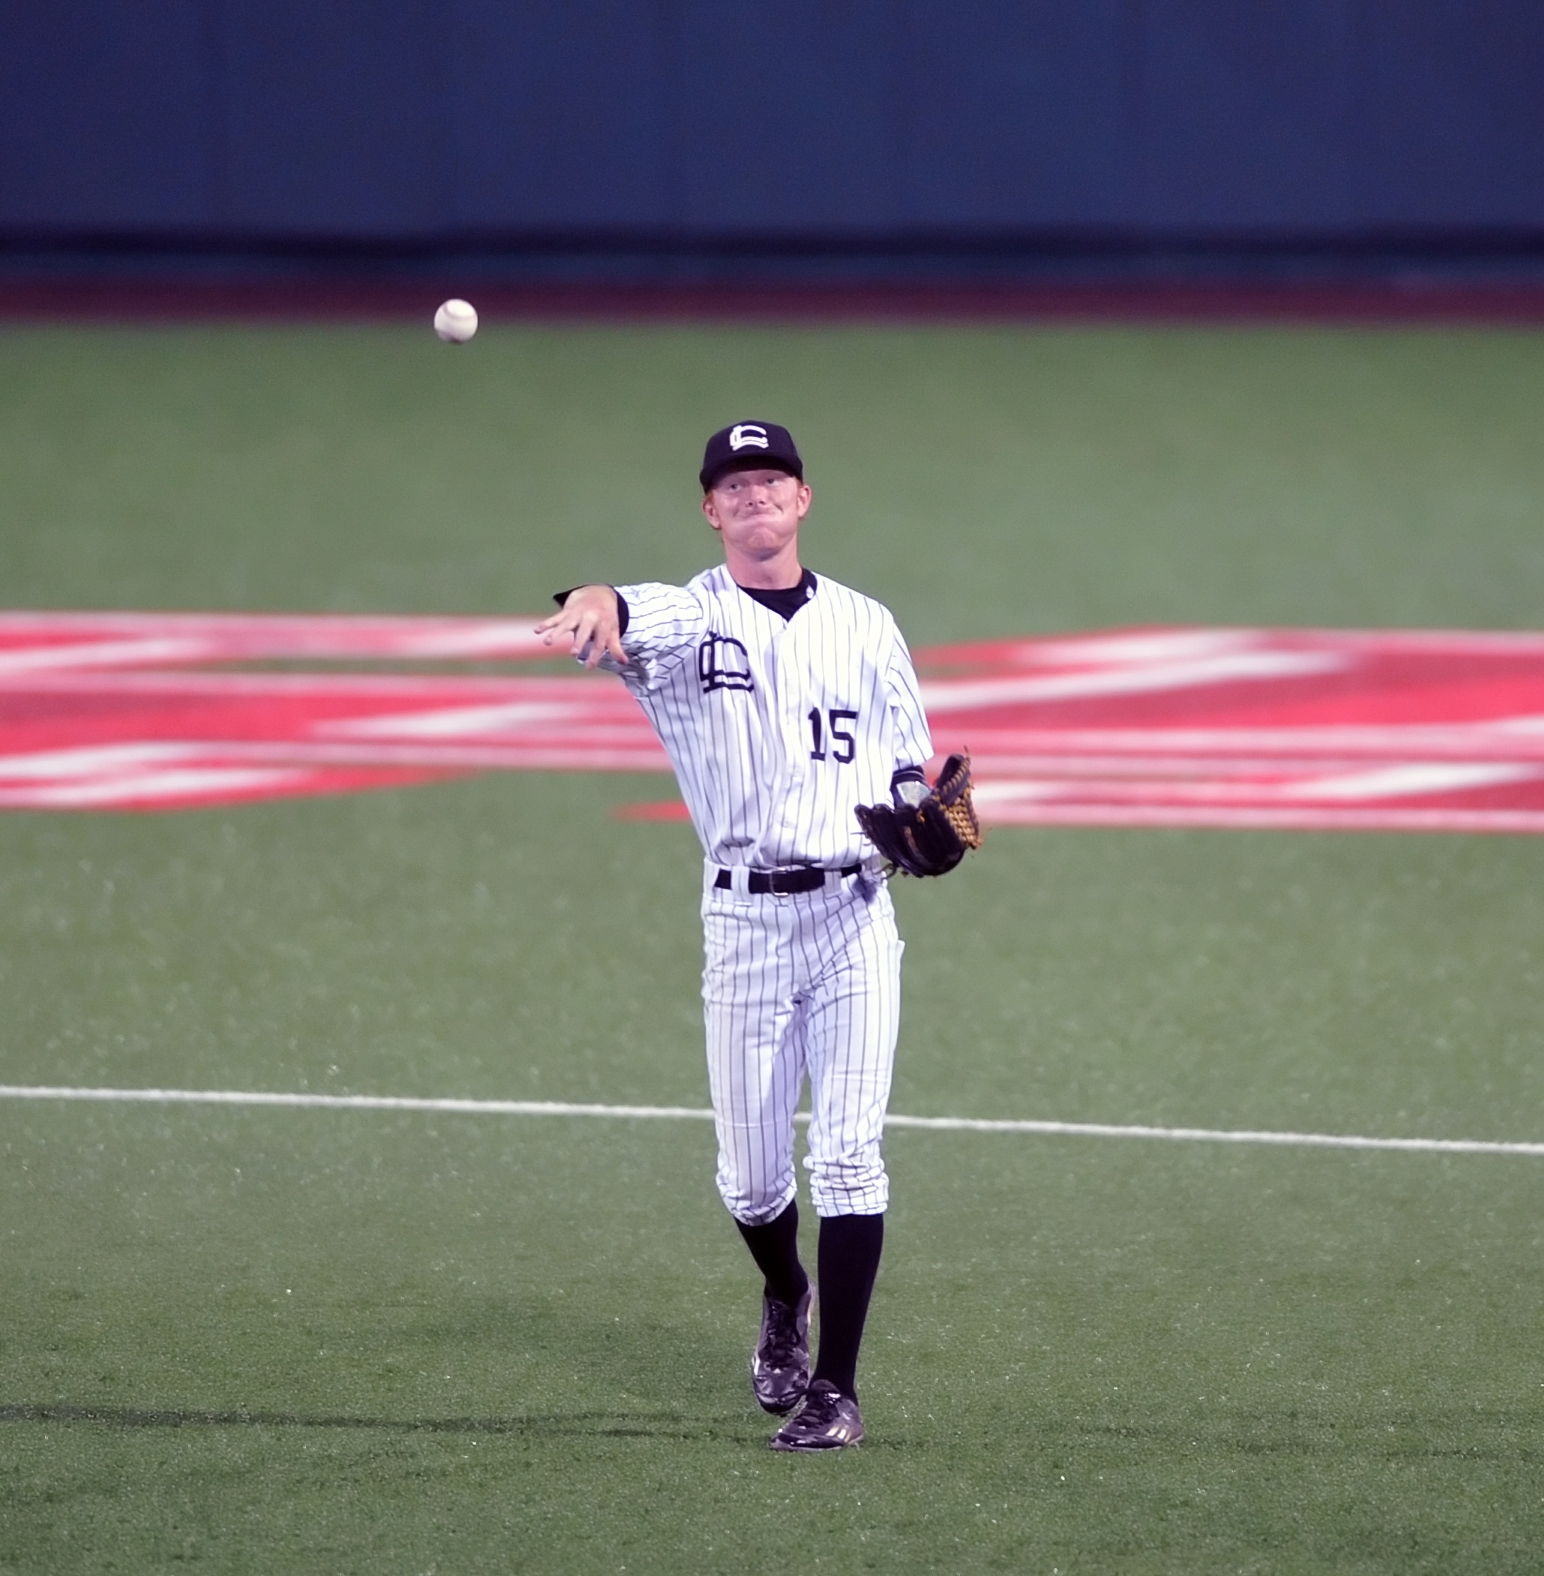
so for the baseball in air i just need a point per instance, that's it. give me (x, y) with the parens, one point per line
(456, 322)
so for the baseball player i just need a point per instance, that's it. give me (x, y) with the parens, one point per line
(788, 706)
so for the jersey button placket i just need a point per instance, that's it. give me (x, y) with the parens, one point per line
(792, 696)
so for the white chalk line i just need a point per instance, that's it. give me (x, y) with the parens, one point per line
(944, 1124)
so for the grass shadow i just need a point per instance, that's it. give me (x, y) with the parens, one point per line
(616, 1425)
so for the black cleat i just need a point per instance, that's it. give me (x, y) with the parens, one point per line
(828, 1420)
(780, 1365)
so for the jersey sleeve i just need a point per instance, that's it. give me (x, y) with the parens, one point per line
(664, 624)
(913, 740)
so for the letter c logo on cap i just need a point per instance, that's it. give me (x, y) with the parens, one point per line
(747, 436)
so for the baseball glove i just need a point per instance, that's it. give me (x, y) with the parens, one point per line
(930, 838)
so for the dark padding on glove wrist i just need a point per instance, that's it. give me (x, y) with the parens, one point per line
(932, 838)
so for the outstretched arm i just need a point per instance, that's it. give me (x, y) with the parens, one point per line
(590, 616)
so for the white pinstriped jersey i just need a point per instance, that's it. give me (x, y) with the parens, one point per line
(777, 728)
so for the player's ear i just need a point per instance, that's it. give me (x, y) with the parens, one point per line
(709, 511)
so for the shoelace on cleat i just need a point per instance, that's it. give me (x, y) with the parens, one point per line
(782, 1333)
(820, 1407)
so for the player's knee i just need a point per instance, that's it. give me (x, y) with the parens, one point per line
(857, 1186)
(754, 1201)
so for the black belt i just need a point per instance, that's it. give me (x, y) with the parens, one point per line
(782, 882)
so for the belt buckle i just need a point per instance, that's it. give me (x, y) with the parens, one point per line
(791, 870)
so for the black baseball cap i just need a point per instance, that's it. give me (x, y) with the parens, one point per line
(750, 446)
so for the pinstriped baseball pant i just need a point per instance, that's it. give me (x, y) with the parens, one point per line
(807, 985)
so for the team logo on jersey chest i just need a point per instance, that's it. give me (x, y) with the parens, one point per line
(723, 663)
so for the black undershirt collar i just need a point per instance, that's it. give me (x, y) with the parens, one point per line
(786, 602)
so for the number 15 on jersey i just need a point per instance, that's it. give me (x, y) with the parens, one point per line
(844, 745)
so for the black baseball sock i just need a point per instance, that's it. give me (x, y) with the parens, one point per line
(775, 1248)
(848, 1261)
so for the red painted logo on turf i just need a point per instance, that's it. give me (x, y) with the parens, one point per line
(1404, 730)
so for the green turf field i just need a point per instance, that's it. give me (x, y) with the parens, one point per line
(322, 1341)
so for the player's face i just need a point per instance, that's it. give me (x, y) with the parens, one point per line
(757, 512)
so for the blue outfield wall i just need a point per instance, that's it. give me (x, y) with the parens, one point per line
(397, 121)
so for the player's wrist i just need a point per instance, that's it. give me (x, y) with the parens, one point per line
(909, 787)
(623, 612)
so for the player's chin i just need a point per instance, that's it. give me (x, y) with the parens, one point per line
(765, 544)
